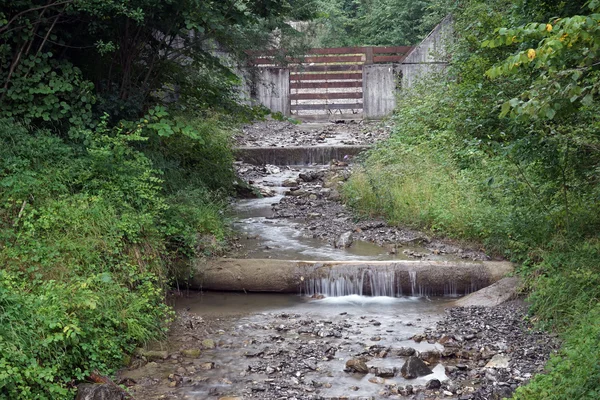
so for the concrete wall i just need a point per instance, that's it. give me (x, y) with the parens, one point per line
(430, 56)
(286, 276)
(273, 89)
(379, 89)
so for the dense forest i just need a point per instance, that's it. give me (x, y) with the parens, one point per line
(116, 162)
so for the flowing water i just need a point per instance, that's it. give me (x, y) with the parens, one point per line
(263, 236)
(268, 324)
(286, 346)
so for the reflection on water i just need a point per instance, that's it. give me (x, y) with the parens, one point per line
(238, 304)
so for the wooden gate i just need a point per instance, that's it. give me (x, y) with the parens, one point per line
(328, 82)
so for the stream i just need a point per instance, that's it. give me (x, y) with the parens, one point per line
(328, 341)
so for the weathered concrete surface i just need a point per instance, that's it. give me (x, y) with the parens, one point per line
(298, 155)
(273, 89)
(379, 89)
(430, 56)
(289, 276)
(493, 295)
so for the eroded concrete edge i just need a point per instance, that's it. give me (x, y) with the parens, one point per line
(288, 276)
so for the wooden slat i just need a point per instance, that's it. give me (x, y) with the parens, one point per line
(392, 49)
(356, 106)
(326, 96)
(325, 77)
(331, 59)
(326, 68)
(316, 60)
(325, 85)
(337, 50)
(383, 59)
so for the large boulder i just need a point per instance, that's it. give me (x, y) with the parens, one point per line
(414, 367)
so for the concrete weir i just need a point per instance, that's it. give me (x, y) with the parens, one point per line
(333, 278)
(298, 155)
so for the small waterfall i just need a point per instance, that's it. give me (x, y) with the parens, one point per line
(350, 281)
(474, 287)
(413, 282)
(336, 283)
(451, 289)
(373, 281)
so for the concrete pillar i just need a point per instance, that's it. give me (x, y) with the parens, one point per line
(379, 89)
(274, 89)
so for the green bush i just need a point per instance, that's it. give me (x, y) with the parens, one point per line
(524, 184)
(86, 230)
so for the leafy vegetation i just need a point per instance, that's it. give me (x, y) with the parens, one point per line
(376, 22)
(115, 164)
(503, 150)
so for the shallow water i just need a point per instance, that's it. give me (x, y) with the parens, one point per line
(259, 318)
(282, 238)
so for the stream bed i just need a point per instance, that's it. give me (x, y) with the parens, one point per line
(275, 346)
(234, 346)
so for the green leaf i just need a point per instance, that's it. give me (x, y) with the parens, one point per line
(505, 109)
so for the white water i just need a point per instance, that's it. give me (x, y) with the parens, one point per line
(373, 282)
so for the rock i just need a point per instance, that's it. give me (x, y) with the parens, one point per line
(309, 176)
(191, 353)
(207, 365)
(344, 240)
(502, 392)
(418, 337)
(272, 169)
(208, 344)
(95, 391)
(498, 361)
(405, 351)
(334, 195)
(414, 367)
(297, 193)
(430, 356)
(433, 384)
(450, 369)
(230, 398)
(289, 183)
(385, 372)
(356, 365)
(152, 355)
(408, 390)
(266, 192)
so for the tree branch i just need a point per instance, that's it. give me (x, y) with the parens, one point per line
(5, 27)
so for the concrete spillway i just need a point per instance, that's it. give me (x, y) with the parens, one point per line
(332, 278)
(297, 155)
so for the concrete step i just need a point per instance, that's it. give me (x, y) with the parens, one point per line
(298, 155)
(435, 278)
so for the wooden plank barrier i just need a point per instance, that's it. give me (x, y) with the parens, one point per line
(328, 80)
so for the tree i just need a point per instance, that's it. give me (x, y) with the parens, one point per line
(64, 58)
